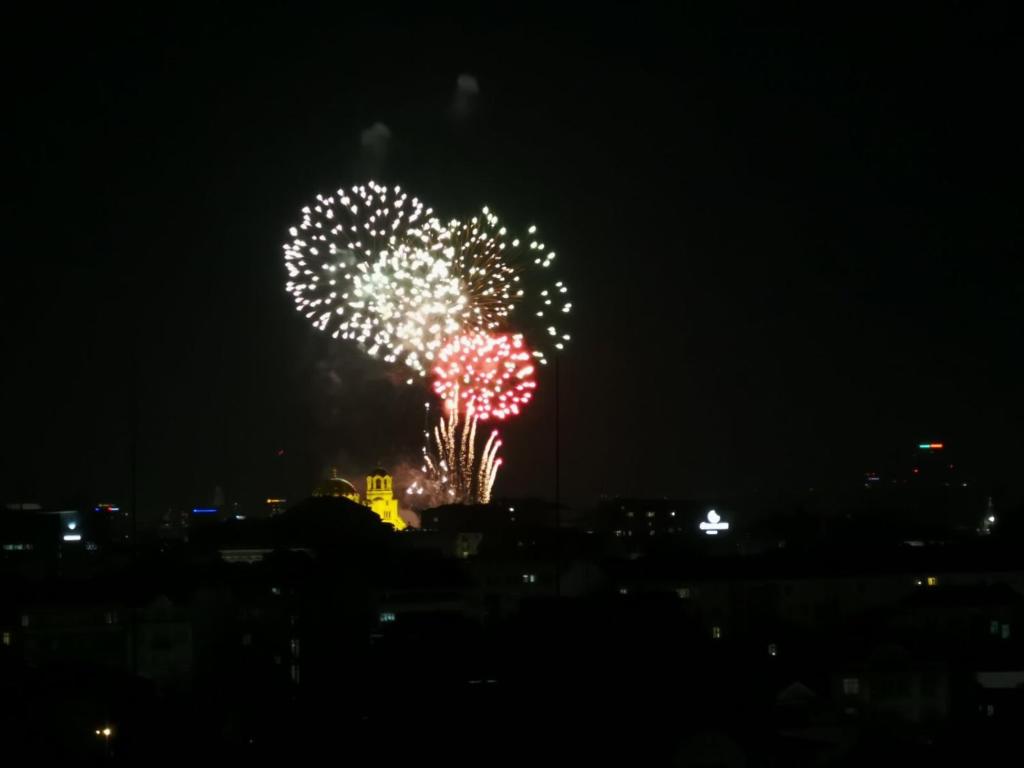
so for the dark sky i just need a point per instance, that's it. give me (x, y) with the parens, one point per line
(794, 241)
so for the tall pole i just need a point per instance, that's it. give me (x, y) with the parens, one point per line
(134, 499)
(558, 482)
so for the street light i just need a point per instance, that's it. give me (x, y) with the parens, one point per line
(105, 733)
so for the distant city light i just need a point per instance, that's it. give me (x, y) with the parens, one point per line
(714, 524)
(72, 537)
(72, 525)
(204, 510)
(931, 446)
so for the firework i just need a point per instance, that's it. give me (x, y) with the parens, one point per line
(507, 280)
(485, 376)
(372, 265)
(453, 472)
(365, 265)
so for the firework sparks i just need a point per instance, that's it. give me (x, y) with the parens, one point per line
(364, 265)
(485, 376)
(451, 472)
(507, 278)
(371, 265)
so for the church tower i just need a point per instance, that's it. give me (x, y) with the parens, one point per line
(381, 499)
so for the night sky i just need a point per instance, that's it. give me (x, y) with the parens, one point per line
(794, 242)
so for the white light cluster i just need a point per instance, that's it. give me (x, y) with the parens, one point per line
(372, 265)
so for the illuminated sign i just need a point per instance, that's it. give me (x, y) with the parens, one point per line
(72, 537)
(714, 524)
(930, 446)
(204, 510)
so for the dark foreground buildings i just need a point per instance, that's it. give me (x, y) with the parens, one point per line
(631, 635)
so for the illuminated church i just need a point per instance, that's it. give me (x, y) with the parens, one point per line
(379, 495)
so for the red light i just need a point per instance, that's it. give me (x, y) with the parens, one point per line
(916, 471)
(936, 446)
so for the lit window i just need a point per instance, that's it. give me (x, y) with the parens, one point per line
(295, 673)
(773, 649)
(24, 620)
(386, 617)
(629, 514)
(933, 581)
(650, 513)
(851, 686)
(295, 647)
(993, 628)
(716, 633)
(529, 578)
(111, 617)
(684, 593)
(623, 590)
(990, 710)
(1006, 632)
(7, 638)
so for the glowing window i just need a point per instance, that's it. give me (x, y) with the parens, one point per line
(378, 483)
(7, 638)
(716, 632)
(851, 686)
(684, 593)
(1005, 634)
(529, 578)
(773, 649)
(933, 581)
(386, 617)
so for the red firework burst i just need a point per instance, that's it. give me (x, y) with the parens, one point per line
(483, 375)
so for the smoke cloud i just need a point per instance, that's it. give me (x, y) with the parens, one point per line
(467, 88)
(375, 140)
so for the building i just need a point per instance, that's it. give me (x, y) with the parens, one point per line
(338, 488)
(379, 494)
(275, 506)
(381, 499)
